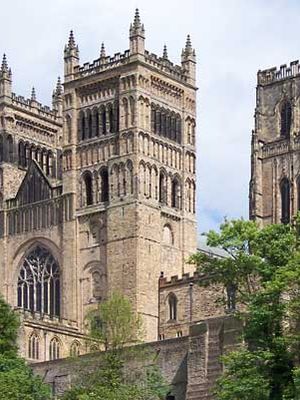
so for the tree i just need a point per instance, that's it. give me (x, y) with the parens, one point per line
(115, 325)
(263, 267)
(16, 378)
(9, 324)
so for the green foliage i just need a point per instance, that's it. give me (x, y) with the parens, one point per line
(9, 324)
(17, 381)
(115, 324)
(264, 267)
(245, 377)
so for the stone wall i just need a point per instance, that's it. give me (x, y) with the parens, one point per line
(189, 364)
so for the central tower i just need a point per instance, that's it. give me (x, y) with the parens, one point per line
(129, 163)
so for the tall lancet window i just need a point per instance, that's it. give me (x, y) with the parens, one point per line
(285, 119)
(285, 192)
(39, 283)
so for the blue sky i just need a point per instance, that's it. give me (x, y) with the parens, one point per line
(233, 39)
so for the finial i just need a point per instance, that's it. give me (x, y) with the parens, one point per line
(102, 52)
(188, 45)
(71, 42)
(33, 94)
(4, 65)
(59, 89)
(137, 19)
(165, 53)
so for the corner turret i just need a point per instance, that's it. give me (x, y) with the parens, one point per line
(5, 80)
(188, 60)
(57, 99)
(71, 57)
(137, 35)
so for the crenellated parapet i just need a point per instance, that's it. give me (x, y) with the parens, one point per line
(175, 280)
(275, 74)
(31, 105)
(184, 73)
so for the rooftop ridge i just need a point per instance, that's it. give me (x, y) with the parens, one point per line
(26, 103)
(274, 74)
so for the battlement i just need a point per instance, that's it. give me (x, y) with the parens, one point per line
(275, 74)
(102, 64)
(175, 280)
(34, 106)
(110, 62)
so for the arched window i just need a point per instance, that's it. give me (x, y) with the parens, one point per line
(96, 121)
(75, 349)
(103, 120)
(172, 300)
(90, 124)
(39, 283)
(104, 185)
(34, 347)
(82, 125)
(69, 128)
(285, 201)
(54, 349)
(22, 157)
(126, 113)
(88, 183)
(167, 235)
(285, 119)
(111, 119)
(10, 148)
(175, 193)
(162, 188)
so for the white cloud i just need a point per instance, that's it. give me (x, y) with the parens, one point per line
(233, 39)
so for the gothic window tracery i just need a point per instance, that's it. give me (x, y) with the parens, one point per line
(285, 200)
(285, 119)
(39, 283)
(75, 349)
(54, 349)
(166, 123)
(34, 347)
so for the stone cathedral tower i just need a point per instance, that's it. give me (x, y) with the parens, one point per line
(97, 194)
(275, 155)
(129, 160)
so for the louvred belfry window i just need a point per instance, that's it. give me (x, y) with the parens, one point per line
(39, 283)
(285, 119)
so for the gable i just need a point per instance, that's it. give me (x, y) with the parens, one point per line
(35, 186)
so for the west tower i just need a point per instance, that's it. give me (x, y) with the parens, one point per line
(129, 161)
(275, 150)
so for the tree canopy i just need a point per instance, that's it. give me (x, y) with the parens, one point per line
(125, 372)
(263, 270)
(17, 381)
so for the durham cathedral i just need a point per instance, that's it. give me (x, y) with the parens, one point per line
(97, 194)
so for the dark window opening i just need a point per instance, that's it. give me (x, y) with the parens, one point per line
(285, 201)
(104, 185)
(285, 119)
(88, 189)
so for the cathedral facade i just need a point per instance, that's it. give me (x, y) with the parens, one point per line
(97, 194)
(275, 155)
